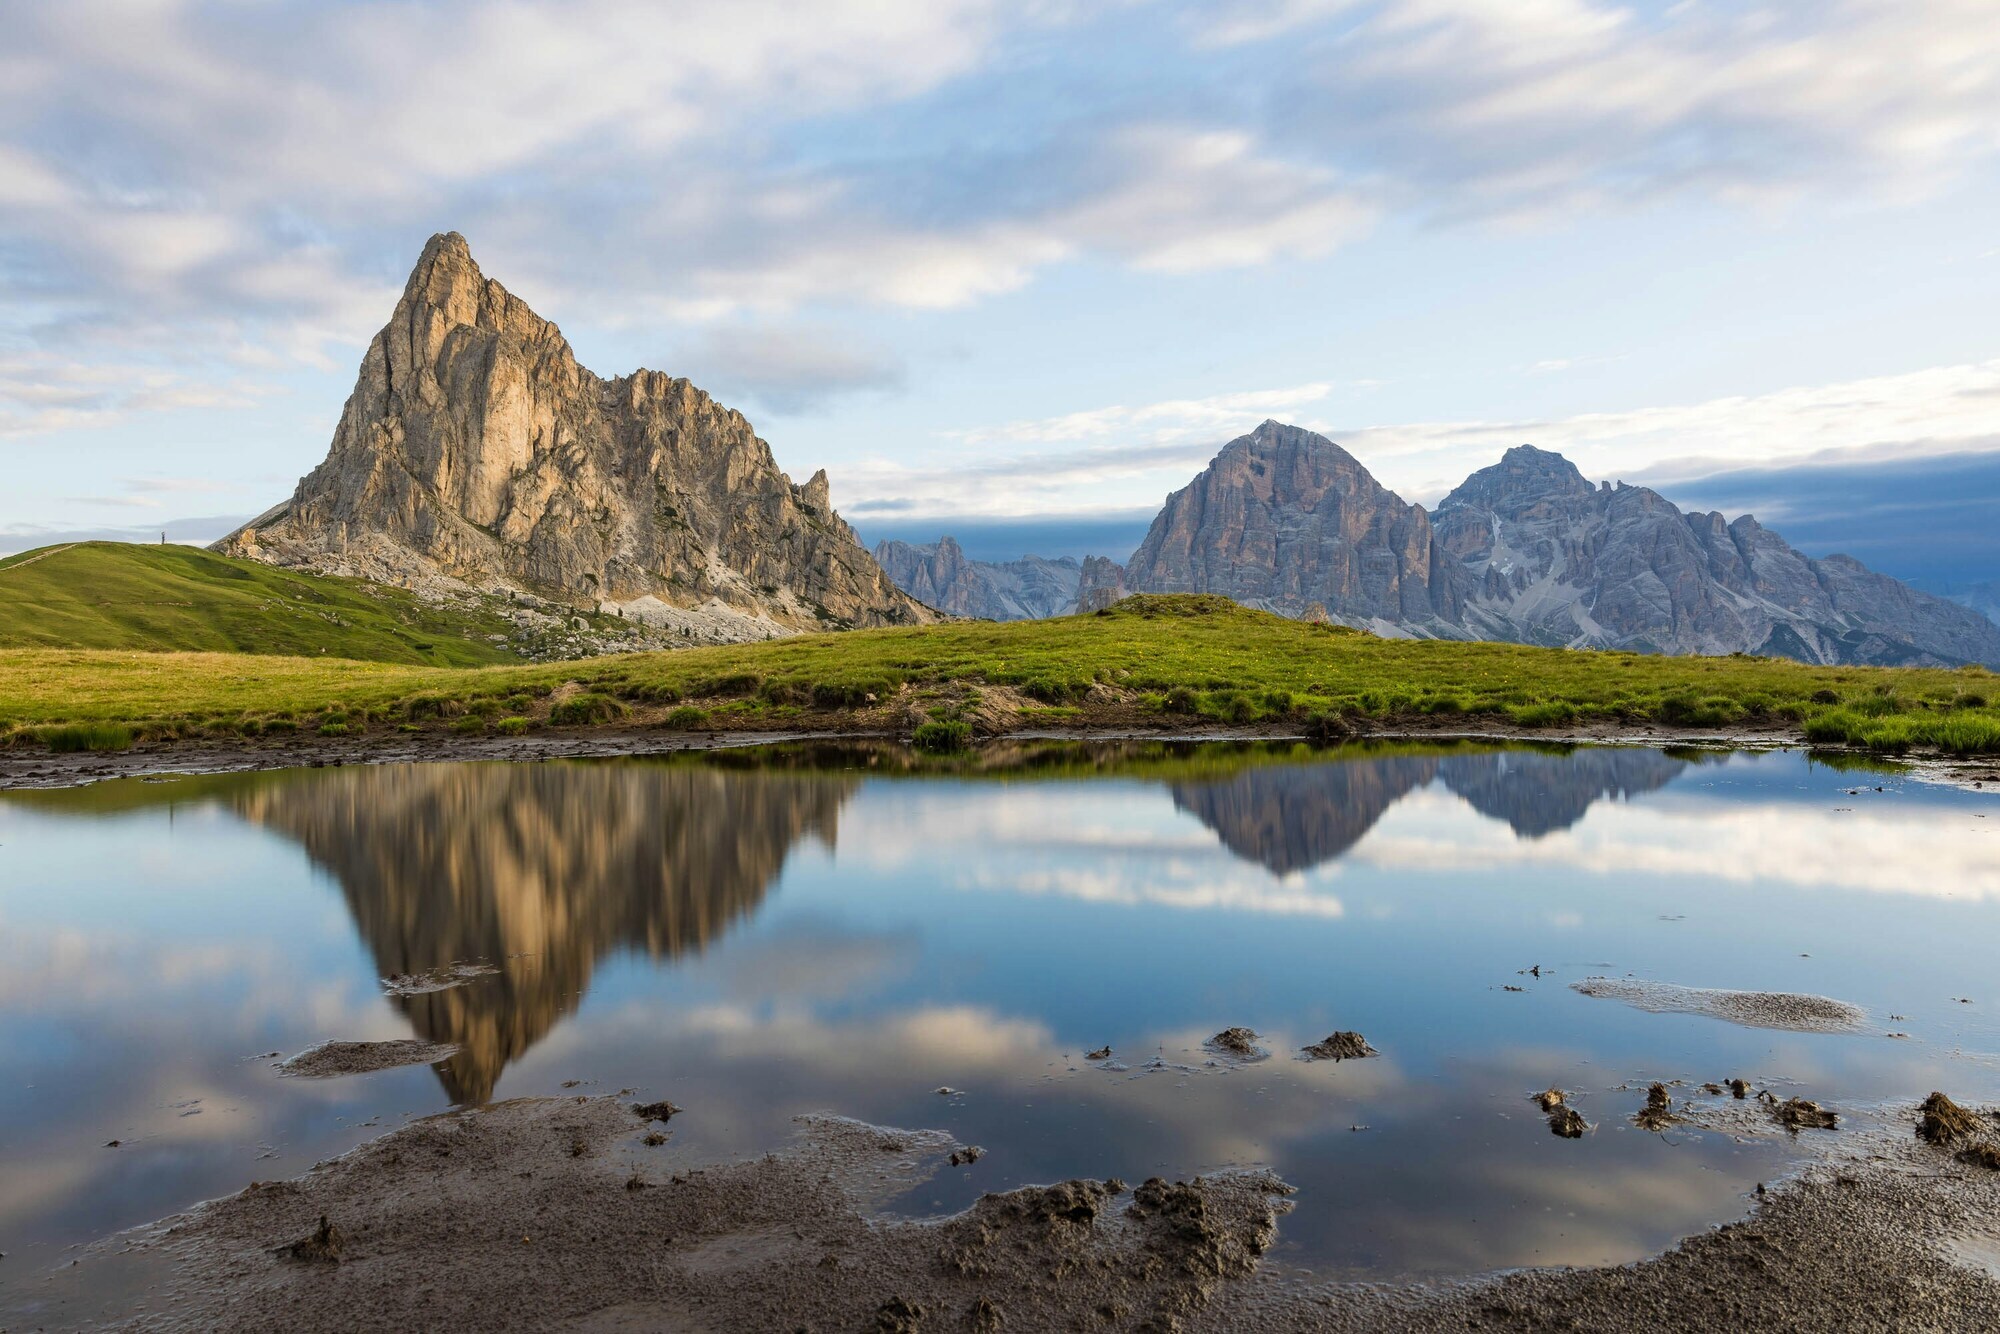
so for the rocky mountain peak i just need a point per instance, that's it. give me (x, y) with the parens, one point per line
(1524, 476)
(475, 453)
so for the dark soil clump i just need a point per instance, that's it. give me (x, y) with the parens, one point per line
(655, 1111)
(1981, 1155)
(1341, 1046)
(1800, 1114)
(1658, 1113)
(1101, 1054)
(1549, 1099)
(1944, 1121)
(1237, 1041)
(321, 1246)
(1568, 1123)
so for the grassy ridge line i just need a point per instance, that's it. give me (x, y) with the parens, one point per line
(113, 595)
(1151, 659)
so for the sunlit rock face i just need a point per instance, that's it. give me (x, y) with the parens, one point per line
(475, 448)
(539, 870)
(1529, 551)
(1285, 519)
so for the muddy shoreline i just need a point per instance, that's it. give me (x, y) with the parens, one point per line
(563, 1213)
(36, 769)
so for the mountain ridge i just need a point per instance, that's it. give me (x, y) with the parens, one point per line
(475, 452)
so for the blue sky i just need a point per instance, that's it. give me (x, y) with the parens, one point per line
(990, 263)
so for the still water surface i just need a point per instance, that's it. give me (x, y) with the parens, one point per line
(756, 934)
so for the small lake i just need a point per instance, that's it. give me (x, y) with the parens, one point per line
(763, 932)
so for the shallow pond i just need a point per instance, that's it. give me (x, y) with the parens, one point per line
(759, 933)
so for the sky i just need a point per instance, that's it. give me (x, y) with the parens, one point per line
(1017, 270)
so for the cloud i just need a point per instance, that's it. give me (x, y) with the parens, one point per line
(1542, 107)
(1121, 452)
(1933, 411)
(196, 531)
(788, 368)
(1123, 455)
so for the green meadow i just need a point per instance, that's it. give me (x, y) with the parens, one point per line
(1181, 660)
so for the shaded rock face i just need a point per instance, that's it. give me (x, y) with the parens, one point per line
(1983, 598)
(541, 870)
(1529, 551)
(1282, 519)
(1100, 583)
(474, 447)
(1554, 560)
(939, 575)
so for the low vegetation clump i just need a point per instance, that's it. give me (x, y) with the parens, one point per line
(584, 708)
(75, 737)
(1149, 661)
(942, 735)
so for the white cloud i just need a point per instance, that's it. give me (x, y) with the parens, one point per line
(1121, 455)
(1541, 106)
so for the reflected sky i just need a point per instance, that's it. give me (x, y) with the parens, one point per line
(759, 935)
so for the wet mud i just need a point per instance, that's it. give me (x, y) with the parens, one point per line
(1751, 1009)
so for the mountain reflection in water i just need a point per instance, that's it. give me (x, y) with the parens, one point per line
(539, 870)
(542, 870)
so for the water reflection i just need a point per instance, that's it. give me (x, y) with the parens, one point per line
(1290, 818)
(759, 934)
(539, 870)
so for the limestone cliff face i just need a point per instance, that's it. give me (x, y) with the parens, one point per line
(1283, 519)
(1554, 560)
(474, 447)
(940, 575)
(1529, 551)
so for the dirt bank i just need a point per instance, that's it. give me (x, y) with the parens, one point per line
(27, 768)
(552, 1214)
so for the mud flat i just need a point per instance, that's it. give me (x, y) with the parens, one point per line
(330, 1060)
(554, 1214)
(1752, 1009)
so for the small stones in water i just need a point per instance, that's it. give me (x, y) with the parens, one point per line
(1711, 1089)
(965, 1157)
(113, 1143)
(1341, 1046)
(323, 1246)
(1549, 1099)
(655, 1111)
(654, 1139)
(1567, 1123)
(1101, 1054)
(1738, 1088)
(1241, 1041)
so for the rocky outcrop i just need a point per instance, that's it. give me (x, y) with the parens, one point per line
(1555, 560)
(1529, 551)
(475, 450)
(1283, 519)
(939, 575)
(1100, 583)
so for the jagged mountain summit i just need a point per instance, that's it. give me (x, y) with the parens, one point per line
(1529, 551)
(939, 575)
(1285, 519)
(475, 452)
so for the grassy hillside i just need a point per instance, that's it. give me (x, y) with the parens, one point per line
(1151, 660)
(117, 595)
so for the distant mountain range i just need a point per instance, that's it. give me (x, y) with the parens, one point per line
(940, 576)
(1526, 551)
(475, 454)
